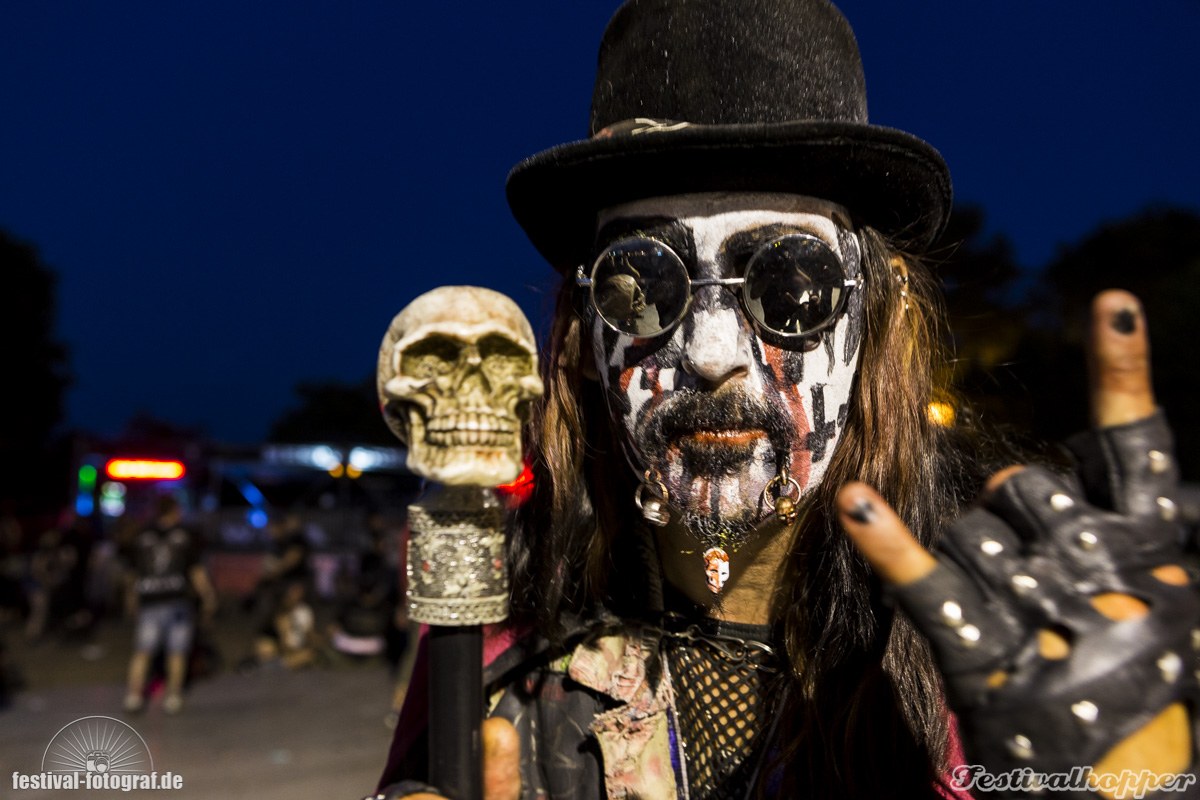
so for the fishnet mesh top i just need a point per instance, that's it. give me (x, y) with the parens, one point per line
(725, 681)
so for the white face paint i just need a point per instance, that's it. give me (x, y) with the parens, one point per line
(710, 405)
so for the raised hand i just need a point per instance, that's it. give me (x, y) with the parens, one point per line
(1059, 609)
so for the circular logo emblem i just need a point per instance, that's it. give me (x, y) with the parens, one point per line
(97, 745)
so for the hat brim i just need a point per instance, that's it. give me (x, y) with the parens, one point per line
(886, 178)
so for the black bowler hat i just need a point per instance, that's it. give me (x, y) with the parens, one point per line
(729, 95)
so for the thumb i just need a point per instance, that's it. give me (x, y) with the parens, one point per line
(881, 536)
(501, 760)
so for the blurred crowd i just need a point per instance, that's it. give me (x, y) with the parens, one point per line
(56, 582)
(69, 584)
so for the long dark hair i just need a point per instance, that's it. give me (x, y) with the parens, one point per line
(864, 713)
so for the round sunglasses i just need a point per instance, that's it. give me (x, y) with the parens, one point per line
(793, 286)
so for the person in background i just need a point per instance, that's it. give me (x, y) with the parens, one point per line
(166, 576)
(286, 563)
(292, 641)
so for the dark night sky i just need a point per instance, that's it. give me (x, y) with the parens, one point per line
(238, 196)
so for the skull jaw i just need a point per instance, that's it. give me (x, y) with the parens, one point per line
(460, 464)
(465, 465)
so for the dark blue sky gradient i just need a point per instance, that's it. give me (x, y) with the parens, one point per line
(239, 196)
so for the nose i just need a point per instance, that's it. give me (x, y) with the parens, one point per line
(470, 377)
(716, 344)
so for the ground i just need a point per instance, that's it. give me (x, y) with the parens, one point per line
(265, 734)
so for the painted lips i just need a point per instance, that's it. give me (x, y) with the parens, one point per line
(735, 437)
(714, 433)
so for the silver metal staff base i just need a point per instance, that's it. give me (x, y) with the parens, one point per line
(457, 575)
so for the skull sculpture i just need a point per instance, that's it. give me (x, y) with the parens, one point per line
(457, 369)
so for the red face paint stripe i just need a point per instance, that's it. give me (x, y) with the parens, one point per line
(790, 393)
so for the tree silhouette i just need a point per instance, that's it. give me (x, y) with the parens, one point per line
(333, 411)
(146, 434)
(1019, 338)
(36, 378)
(985, 295)
(1156, 255)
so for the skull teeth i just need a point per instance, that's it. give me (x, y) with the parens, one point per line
(470, 428)
(484, 438)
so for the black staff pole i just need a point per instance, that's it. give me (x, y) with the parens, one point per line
(457, 583)
(455, 702)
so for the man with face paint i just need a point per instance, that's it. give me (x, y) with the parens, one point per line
(723, 411)
(745, 344)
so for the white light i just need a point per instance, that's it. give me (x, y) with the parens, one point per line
(325, 457)
(369, 458)
(320, 456)
(112, 506)
(363, 459)
(113, 490)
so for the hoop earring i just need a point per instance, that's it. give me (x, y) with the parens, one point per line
(785, 507)
(654, 507)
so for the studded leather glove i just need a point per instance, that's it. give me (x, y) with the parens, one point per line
(1026, 573)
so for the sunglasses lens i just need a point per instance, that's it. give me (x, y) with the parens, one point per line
(640, 287)
(794, 286)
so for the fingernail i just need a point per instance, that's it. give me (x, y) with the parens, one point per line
(862, 511)
(1124, 321)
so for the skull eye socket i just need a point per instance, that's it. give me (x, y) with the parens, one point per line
(504, 358)
(430, 357)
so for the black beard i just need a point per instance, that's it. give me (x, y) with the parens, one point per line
(689, 411)
(726, 532)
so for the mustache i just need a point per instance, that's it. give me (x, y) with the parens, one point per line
(690, 411)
